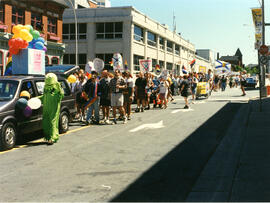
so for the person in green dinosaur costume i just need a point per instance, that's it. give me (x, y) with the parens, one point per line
(51, 100)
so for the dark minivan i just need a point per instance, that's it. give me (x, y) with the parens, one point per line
(13, 124)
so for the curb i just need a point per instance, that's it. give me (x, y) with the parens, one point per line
(216, 180)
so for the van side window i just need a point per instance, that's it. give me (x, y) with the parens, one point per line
(40, 87)
(65, 88)
(28, 86)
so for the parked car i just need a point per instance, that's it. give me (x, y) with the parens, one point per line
(251, 82)
(13, 124)
(64, 70)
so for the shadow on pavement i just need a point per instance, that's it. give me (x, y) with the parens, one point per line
(172, 178)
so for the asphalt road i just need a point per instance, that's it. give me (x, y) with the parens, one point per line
(157, 156)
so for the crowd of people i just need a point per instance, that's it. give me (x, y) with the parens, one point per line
(117, 91)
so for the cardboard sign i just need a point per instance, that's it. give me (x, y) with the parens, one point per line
(145, 65)
(118, 62)
(29, 61)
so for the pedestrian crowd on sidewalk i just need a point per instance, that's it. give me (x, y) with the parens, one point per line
(108, 92)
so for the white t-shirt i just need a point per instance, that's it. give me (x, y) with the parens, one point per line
(163, 87)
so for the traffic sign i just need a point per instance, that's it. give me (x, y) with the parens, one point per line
(263, 49)
(264, 60)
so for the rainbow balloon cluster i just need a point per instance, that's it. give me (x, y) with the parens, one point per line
(25, 37)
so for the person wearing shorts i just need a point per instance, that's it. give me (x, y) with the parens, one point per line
(117, 85)
(140, 86)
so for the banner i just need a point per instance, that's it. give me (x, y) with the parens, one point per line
(202, 69)
(258, 22)
(145, 65)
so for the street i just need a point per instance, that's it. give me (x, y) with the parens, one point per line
(157, 156)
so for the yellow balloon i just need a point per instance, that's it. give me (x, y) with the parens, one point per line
(24, 34)
(26, 27)
(29, 37)
(16, 29)
(72, 79)
(16, 36)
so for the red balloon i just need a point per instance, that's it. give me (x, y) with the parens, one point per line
(11, 42)
(19, 43)
(25, 44)
(13, 51)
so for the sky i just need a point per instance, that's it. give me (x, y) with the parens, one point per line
(220, 25)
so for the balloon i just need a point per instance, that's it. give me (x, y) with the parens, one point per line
(34, 103)
(41, 39)
(21, 103)
(35, 34)
(89, 67)
(11, 42)
(16, 29)
(72, 79)
(13, 51)
(19, 43)
(27, 112)
(44, 48)
(15, 36)
(25, 35)
(28, 27)
(25, 94)
(25, 44)
(39, 45)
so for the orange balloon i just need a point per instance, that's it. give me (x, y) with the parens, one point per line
(16, 29)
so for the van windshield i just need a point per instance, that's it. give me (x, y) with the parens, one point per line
(8, 89)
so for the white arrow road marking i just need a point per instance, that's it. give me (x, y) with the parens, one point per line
(148, 126)
(182, 110)
(199, 102)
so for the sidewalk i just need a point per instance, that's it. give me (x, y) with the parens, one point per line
(239, 170)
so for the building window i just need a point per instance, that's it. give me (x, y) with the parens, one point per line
(161, 43)
(109, 30)
(2, 14)
(169, 46)
(154, 63)
(136, 62)
(151, 39)
(161, 64)
(17, 15)
(69, 31)
(107, 58)
(52, 27)
(36, 18)
(70, 59)
(169, 66)
(177, 49)
(138, 33)
(55, 60)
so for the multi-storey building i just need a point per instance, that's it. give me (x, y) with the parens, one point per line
(46, 15)
(105, 31)
(103, 3)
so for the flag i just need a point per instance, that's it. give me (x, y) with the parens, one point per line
(184, 70)
(222, 67)
(126, 65)
(192, 63)
(8, 70)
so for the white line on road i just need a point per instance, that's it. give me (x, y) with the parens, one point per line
(148, 126)
(182, 110)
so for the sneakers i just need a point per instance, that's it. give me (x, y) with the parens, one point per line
(129, 118)
(107, 122)
(125, 120)
(186, 107)
(137, 110)
(147, 108)
(142, 110)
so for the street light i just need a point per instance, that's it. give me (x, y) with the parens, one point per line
(76, 33)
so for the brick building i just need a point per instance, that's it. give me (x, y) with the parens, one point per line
(45, 14)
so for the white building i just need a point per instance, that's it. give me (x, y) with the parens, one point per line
(105, 31)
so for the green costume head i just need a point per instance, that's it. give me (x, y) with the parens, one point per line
(52, 85)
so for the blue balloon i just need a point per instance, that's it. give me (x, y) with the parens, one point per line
(21, 103)
(39, 45)
(41, 39)
(8, 71)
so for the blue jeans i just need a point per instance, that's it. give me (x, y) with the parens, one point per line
(94, 106)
